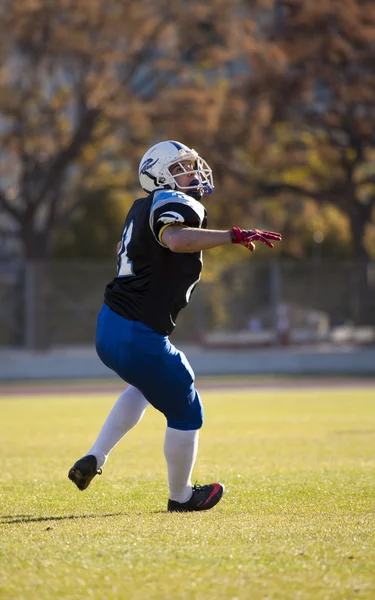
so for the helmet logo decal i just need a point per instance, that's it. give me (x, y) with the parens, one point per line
(150, 162)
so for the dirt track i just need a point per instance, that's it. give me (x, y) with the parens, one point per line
(37, 388)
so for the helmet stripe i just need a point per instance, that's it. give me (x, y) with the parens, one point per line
(176, 145)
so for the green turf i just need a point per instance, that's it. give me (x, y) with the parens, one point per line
(296, 522)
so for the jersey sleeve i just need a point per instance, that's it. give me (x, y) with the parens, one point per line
(174, 208)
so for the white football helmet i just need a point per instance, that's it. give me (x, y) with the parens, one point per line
(154, 173)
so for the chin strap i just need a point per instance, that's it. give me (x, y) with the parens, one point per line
(196, 195)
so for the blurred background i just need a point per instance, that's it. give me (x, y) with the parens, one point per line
(277, 95)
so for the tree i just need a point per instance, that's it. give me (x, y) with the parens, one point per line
(328, 48)
(305, 116)
(81, 91)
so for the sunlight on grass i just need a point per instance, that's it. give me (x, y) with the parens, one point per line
(296, 521)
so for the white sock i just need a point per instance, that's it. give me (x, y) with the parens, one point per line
(180, 450)
(125, 414)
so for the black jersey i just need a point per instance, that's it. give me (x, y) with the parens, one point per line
(153, 283)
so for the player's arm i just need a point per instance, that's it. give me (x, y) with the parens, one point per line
(176, 221)
(118, 247)
(191, 239)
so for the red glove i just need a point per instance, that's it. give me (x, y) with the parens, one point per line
(247, 237)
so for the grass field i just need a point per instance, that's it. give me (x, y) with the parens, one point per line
(296, 522)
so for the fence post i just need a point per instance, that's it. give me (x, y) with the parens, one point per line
(36, 336)
(275, 291)
(30, 304)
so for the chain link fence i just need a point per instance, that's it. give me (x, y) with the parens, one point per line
(45, 304)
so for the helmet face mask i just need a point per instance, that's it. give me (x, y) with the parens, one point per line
(154, 169)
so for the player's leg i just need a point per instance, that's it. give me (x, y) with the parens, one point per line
(125, 414)
(169, 387)
(180, 451)
(113, 345)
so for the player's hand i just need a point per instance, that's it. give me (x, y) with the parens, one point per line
(247, 237)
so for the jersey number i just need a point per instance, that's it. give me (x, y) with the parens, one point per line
(125, 265)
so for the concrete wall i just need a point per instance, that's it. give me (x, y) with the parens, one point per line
(82, 363)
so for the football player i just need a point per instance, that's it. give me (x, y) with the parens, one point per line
(159, 264)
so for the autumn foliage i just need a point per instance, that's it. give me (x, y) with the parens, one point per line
(278, 96)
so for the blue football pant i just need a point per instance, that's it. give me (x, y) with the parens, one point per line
(148, 360)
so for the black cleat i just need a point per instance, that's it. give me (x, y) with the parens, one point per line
(83, 471)
(204, 497)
